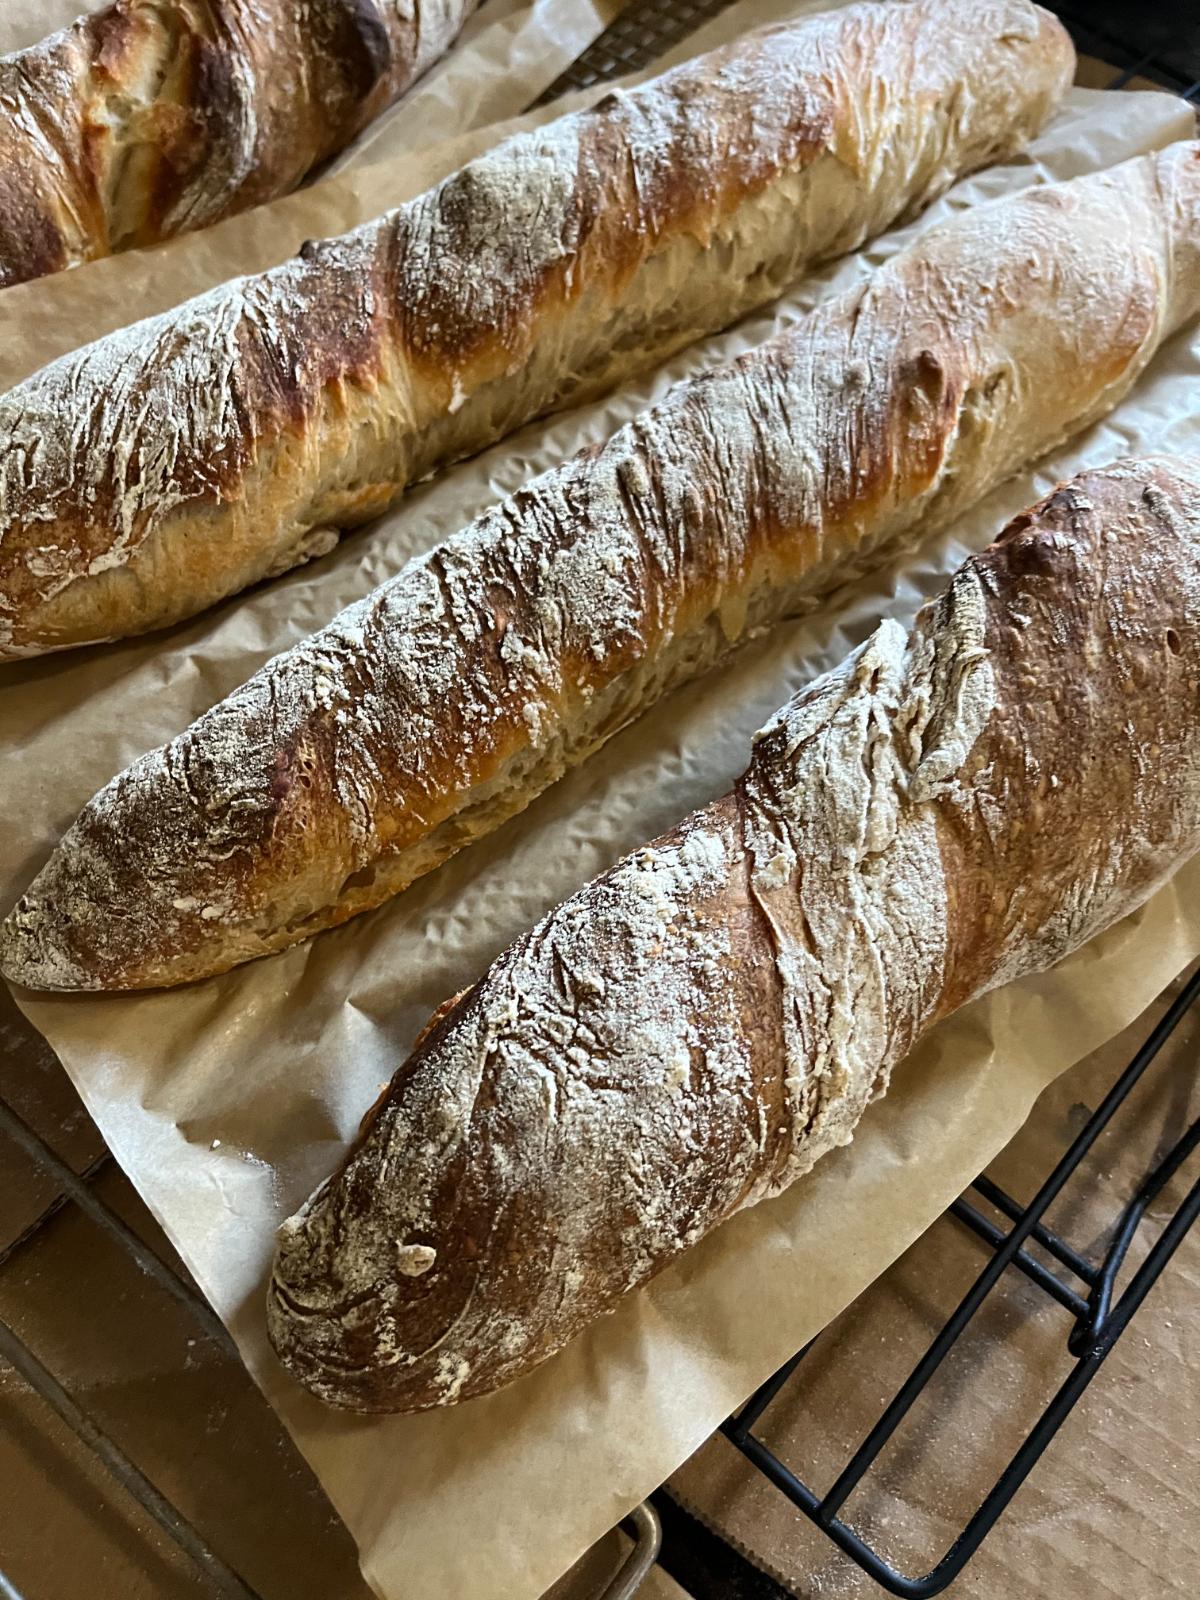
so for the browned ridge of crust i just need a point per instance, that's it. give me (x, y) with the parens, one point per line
(153, 117)
(689, 1033)
(447, 699)
(173, 463)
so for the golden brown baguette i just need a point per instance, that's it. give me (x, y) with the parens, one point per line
(174, 462)
(441, 704)
(153, 117)
(693, 1030)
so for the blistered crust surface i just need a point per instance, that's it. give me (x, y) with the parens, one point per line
(175, 461)
(517, 646)
(690, 1032)
(147, 119)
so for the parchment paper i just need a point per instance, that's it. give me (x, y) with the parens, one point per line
(226, 1102)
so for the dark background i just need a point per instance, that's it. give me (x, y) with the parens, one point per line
(1161, 38)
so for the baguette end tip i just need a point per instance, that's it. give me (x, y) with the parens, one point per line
(33, 957)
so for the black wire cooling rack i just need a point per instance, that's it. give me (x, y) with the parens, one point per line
(1085, 1289)
(1157, 41)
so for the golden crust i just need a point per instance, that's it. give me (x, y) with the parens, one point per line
(145, 120)
(690, 1032)
(186, 457)
(442, 703)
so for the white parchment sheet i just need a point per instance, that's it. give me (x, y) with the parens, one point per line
(227, 1101)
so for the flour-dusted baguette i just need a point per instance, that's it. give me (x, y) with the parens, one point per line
(441, 704)
(152, 117)
(171, 464)
(693, 1030)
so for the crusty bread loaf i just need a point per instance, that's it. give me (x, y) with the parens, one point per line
(692, 1031)
(152, 117)
(183, 458)
(441, 704)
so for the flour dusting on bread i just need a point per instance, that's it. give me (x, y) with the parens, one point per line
(690, 1032)
(144, 119)
(440, 705)
(206, 449)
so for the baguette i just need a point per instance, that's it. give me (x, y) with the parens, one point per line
(692, 1031)
(153, 117)
(441, 704)
(173, 463)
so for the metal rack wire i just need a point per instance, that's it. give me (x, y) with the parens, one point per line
(1154, 39)
(1099, 1317)
(642, 32)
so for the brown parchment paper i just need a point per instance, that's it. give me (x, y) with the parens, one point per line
(226, 1102)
